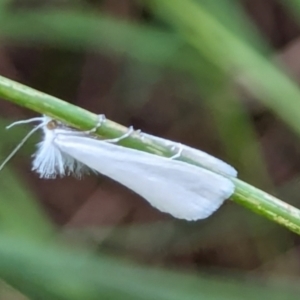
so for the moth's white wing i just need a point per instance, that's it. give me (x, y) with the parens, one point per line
(206, 160)
(182, 190)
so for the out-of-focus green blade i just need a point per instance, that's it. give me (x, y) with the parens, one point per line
(47, 272)
(77, 30)
(19, 212)
(235, 56)
(293, 4)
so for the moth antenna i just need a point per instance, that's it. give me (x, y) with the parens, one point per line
(31, 132)
(25, 122)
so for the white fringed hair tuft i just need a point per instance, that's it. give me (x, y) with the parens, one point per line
(49, 161)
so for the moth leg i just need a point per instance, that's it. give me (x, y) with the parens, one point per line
(124, 136)
(139, 134)
(173, 148)
(101, 120)
(178, 154)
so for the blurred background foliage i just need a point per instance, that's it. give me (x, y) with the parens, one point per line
(221, 76)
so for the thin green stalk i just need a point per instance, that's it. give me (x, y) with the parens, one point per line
(245, 194)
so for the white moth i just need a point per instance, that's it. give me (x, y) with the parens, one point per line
(178, 188)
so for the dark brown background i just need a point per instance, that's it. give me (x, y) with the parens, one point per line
(112, 218)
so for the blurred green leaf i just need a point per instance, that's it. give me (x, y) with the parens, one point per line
(77, 30)
(19, 212)
(225, 49)
(47, 272)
